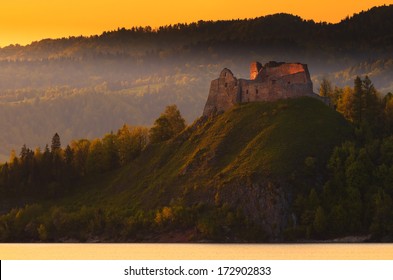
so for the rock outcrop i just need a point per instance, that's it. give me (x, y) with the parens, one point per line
(264, 203)
(273, 81)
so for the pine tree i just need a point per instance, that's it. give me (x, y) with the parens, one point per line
(69, 172)
(68, 155)
(46, 165)
(55, 143)
(357, 103)
(24, 152)
(4, 176)
(372, 109)
(388, 113)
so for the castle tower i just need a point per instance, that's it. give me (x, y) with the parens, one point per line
(255, 67)
(223, 94)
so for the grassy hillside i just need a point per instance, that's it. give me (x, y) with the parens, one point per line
(83, 87)
(264, 139)
(231, 177)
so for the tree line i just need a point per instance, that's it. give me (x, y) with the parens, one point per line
(368, 29)
(356, 197)
(54, 170)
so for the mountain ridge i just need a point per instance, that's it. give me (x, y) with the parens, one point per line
(377, 19)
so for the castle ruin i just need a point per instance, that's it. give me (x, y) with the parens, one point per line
(270, 82)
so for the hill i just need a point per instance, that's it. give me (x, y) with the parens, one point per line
(368, 30)
(233, 177)
(82, 87)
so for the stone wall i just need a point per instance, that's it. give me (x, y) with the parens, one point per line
(255, 68)
(223, 94)
(271, 82)
(284, 69)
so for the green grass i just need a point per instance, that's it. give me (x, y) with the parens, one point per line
(198, 175)
(270, 139)
(253, 143)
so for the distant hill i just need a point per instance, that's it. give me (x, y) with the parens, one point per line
(87, 86)
(233, 177)
(367, 30)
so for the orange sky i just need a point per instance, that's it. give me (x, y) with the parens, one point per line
(23, 21)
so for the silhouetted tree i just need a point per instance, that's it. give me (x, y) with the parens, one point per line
(55, 146)
(356, 107)
(4, 177)
(387, 104)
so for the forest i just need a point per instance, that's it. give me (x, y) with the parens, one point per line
(70, 85)
(36, 173)
(357, 195)
(87, 155)
(349, 195)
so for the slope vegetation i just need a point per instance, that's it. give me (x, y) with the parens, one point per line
(251, 160)
(129, 75)
(231, 177)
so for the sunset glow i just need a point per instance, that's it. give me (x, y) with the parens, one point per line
(24, 21)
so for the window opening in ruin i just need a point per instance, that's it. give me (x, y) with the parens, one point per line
(289, 82)
(256, 91)
(246, 91)
(226, 84)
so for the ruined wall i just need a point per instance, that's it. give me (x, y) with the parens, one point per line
(272, 90)
(271, 82)
(284, 69)
(255, 68)
(223, 94)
